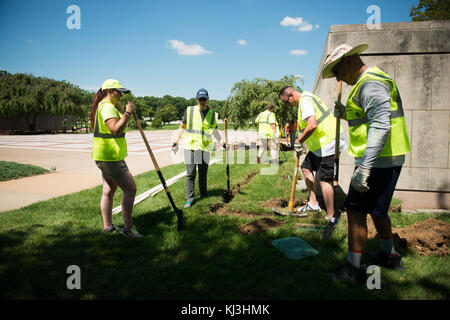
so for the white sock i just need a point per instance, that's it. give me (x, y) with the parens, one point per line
(387, 245)
(354, 258)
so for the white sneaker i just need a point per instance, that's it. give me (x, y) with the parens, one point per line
(308, 207)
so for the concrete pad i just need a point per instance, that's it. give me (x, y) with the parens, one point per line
(17, 200)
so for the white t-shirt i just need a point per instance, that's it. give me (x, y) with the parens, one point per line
(308, 110)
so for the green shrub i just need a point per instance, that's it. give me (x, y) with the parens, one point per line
(157, 123)
(132, 124)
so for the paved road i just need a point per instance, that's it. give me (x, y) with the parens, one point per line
(75, 170)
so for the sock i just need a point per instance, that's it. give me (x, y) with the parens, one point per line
(387, 245)
(354, 258)
(314, 206)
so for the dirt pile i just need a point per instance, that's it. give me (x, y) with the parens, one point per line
(281, 203)
(429, 237)
(260, 225)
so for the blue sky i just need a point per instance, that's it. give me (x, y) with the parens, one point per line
(176, 47)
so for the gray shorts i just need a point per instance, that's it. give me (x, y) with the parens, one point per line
(113, 169)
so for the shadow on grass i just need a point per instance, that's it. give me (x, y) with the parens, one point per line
(209, 259)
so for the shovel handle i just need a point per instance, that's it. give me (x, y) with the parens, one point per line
(226, 153)
(337, 138)
(294, 184)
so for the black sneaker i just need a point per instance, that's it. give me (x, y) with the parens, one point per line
(349, 273)
(386, 260)
(333, 222)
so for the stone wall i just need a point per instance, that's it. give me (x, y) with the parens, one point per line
(43, 123)
(417, 56)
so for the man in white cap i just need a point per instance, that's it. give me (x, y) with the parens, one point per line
(378, 141)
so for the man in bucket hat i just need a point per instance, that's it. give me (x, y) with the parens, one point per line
(379, 142)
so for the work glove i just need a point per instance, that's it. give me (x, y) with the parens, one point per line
(359, 179)
(298, 147)
(339, 110)
(175, 147)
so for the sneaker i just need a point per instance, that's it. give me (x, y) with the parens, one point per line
(131, 233)
(111, 229)
(386, 260)
(332, 223)
(349, 273)
(187, 205)
(308, 207)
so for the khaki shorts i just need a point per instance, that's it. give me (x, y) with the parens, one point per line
(113, 169)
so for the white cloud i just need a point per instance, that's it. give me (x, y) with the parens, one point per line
(242, 42)
(187, 49)
(298, 23)
(29, 40)
(299, 52)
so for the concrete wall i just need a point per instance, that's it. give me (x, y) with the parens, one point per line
(417, 56)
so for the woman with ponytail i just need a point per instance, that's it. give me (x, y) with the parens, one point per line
(109, 150)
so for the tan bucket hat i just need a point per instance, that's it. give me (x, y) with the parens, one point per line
(344, 50)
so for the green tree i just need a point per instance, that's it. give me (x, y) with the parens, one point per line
(157, 123)
(428, 10)
(249, 98)
(27, 96)
(167, 114)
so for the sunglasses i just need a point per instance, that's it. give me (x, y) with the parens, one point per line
(202, 99)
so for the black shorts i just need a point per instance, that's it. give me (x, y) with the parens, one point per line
(324, 167)
(376, 201)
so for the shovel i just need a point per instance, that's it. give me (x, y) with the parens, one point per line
(228, 194)
(163, 182)
(290, 210)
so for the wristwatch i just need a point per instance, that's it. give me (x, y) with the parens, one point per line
(128, 112)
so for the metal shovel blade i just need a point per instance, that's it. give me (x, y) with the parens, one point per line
(286, 212)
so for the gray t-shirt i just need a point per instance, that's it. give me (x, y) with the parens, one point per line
(375, 99)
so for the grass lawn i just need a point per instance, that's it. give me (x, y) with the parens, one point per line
(209, 259)
(14, 170)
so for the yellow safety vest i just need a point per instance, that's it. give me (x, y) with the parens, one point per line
(265, 127)
(398, 141)
(106, 146)
(326, 124)
(198, 133)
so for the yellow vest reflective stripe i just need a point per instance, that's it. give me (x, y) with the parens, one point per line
(326, 124)
(265, 127)
(198, 132)
(398, 141)
(106, 146)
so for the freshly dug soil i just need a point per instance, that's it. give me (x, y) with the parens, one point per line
(281, 203)
(429, 237)
(260, 225)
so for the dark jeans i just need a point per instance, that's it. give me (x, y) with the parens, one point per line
(192, 159)
(292, 136)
